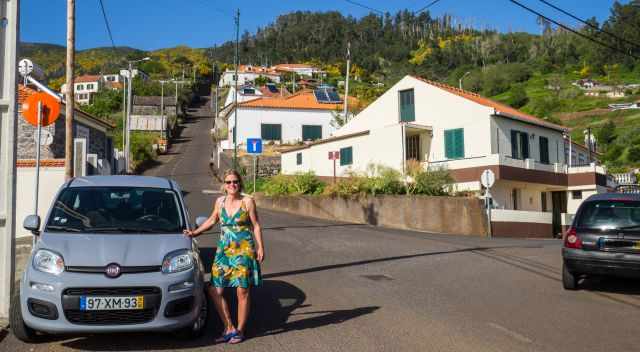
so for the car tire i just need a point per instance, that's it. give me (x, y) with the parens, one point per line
(200, 325)
(569, 279)
(16, 322)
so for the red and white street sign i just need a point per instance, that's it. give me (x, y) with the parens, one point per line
(334, 155)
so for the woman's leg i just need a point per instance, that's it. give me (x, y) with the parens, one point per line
(244, 302)
(222, 307)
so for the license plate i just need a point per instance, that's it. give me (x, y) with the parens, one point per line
(636, 245)
(111, 303)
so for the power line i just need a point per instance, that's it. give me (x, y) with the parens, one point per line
(106, 22)
(426, 7)
(365, 6)
(574, 31)
(588, 24)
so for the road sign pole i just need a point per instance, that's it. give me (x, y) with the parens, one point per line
(334, 170)
(38, 142)
(255, 171)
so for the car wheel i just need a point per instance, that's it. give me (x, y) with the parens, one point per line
(199, 326)
(18, 327)
(569, 279)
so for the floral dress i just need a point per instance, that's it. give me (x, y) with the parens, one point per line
(235, 264)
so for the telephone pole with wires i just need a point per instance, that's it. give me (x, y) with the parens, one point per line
(235, 93)
(346, 84)
(70, 94)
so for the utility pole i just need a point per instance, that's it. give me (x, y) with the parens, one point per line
(162, 109)
(9, 37)
(128, 122)
(346, 85)
(70, 98)
(235, 93)
(124, 114)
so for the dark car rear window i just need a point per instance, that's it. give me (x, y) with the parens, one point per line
(609, 214)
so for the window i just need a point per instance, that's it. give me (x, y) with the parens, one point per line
(299, 159)
(89, 86)
(515, 197)
(413, 147)
(454, 143)
(311, 133)
(519, 145)
(576, 194)
(249, 91)
(80, 87)
(346, 156)
(407, 106)
(271, 132)
(544, 150)
(543, 201)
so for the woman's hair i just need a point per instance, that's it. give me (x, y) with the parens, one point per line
(235, 173)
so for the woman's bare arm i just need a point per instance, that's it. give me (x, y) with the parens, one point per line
(212, 220)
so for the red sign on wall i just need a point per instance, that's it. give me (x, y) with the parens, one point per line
(334, 155)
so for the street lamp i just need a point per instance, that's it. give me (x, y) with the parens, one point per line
(461, 78)
(129, 109)
(162, 128)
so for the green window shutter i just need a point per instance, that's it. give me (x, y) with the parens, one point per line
(459, 143)
(299, 159)
(311, 133)
(454, 143)
(346, 156)
(407, 106)
(525, 145)
(271, 132)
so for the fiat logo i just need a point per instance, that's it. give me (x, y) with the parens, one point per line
(112, 270)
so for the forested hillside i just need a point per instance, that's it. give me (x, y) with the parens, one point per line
(533, 72)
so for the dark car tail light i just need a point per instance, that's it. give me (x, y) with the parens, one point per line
(571, 239)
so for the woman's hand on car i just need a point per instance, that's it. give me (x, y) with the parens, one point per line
(189, 233)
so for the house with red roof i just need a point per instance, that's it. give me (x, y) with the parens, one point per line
(540, 173)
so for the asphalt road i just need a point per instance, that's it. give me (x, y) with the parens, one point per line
(343, 287)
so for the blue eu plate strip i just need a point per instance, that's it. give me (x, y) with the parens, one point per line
(83, 303)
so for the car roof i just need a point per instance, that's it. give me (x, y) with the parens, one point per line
(121, 181)
(615, 196)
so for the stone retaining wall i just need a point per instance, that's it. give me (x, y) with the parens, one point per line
(450, 215)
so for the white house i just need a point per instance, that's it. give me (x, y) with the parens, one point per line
(84, 87)
(291, 119)
(536, 168)
(299, 69)
(248, 74)
(251, 92)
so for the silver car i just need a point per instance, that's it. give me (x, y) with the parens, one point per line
(112, 258)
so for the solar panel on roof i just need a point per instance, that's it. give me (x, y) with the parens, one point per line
(333, 96)
(321, 96)
(272, 88)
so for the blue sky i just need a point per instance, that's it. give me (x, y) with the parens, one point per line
(153, 24)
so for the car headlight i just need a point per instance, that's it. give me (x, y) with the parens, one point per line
(48, 262)
(177, 261)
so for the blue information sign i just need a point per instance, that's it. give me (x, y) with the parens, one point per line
(254, 145)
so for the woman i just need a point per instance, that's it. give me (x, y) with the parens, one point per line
(237, 258)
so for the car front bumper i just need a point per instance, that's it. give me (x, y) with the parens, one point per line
(59, 298)
(602, 263)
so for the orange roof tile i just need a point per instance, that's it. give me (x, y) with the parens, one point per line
(301, 100)
(255, 69)
(87, 79)
(500, 108)
(292, 66)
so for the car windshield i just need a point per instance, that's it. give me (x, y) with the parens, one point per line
(116, 210)
(610, 215)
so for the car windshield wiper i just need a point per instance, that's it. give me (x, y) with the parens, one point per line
(63, 228)
(121, 229)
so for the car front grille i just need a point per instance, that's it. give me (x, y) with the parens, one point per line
(110, 317)
(71, 305)
(123, 270)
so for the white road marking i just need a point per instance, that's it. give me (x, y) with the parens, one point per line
(511, 333)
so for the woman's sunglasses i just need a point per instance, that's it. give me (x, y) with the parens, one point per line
(235, 182)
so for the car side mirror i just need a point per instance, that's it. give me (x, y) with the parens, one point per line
(32, 223)
(200, 220)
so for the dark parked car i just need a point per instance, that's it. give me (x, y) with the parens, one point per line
(604, 239)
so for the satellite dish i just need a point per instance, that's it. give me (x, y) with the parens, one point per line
(26, 67)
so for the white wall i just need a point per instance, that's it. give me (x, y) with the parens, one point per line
(433, 107)
(245, 77)
(374, 148)
(501, 128)
(250, 120)
(51, 178)
(241, 97)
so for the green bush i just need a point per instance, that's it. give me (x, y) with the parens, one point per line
(349, 186)
(277, 185)
(428, 182)
(142, 148)
(306, 183)
(518, 96)
(383, 180)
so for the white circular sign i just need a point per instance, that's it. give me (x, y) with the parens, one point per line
(488, 178)
(46, 138)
